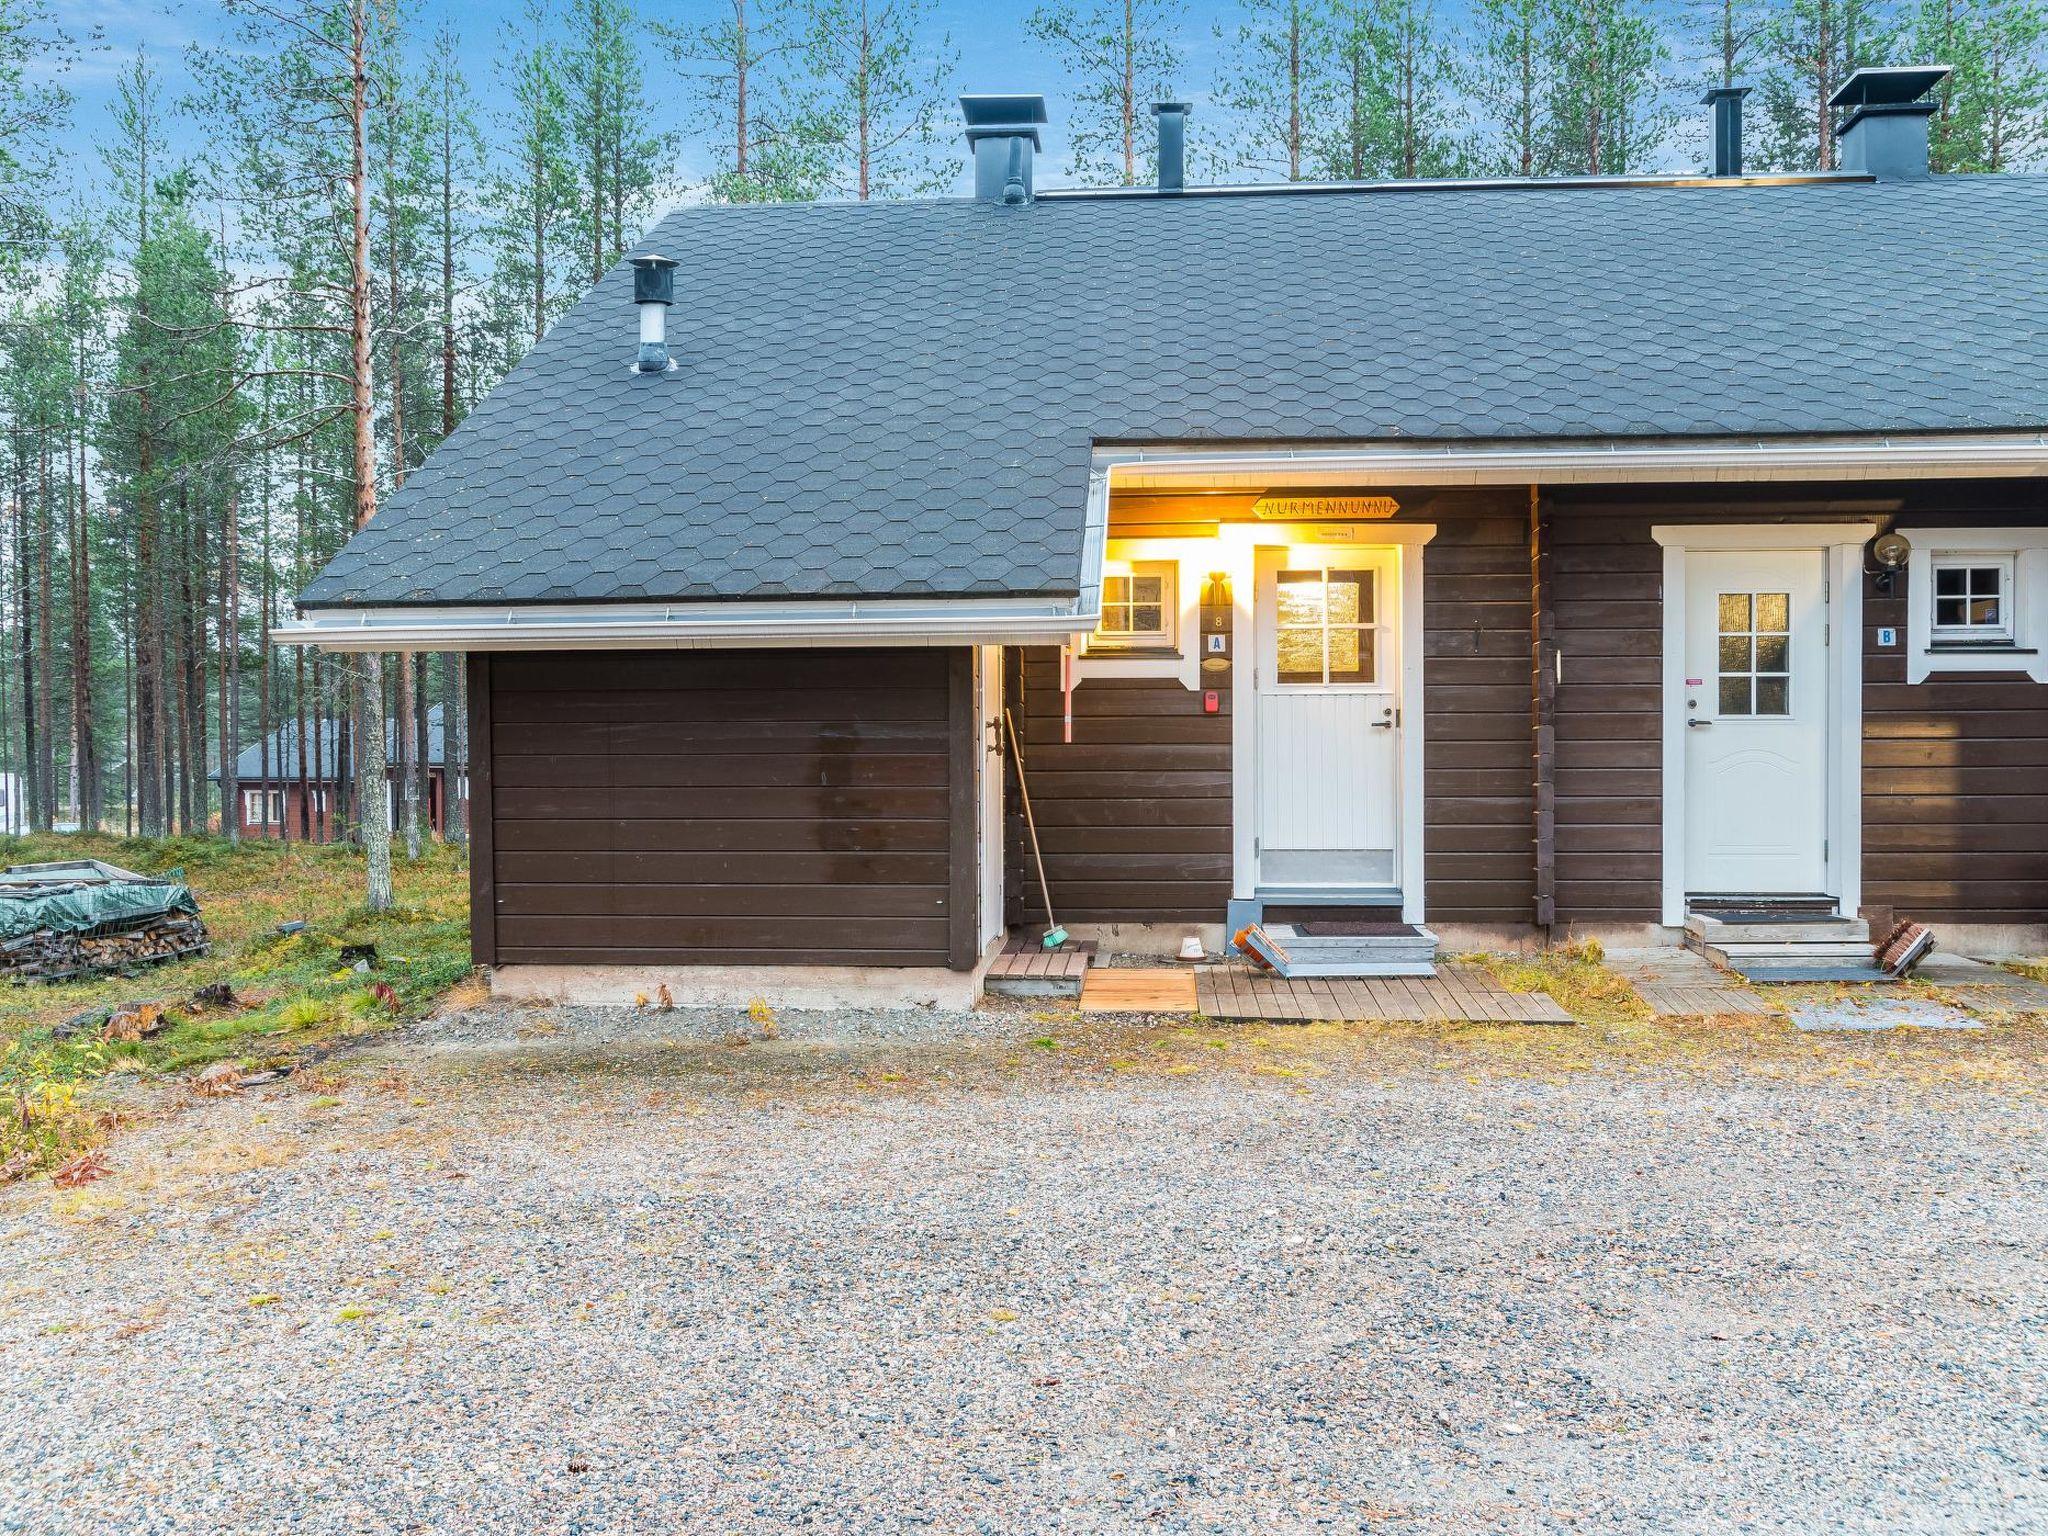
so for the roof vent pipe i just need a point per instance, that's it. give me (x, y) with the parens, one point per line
(1173, 143)
(1885, 134)
(1726, 100)
(654, 289)
(1002, 133)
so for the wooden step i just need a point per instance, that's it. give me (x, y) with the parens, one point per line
(1402, 952)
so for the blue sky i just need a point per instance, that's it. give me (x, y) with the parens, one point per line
(994, 54)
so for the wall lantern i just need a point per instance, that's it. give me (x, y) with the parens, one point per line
(1217, 594)
(1889, 550)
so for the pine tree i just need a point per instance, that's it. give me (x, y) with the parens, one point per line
(1992, 109)
(1609, 101)
(1809, 49)
(752, 102)
(34, 107)
(1278, 85)
(297, 95)
(534, 191)
(1509, 81)
(882, 94)
(1121, 55)
(613, 154)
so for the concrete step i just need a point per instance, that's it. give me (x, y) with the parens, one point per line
(1748, 953)
(1802, 929)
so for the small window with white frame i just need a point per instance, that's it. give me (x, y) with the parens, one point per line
(262, 808)
(1139, 609)
(1973, 599)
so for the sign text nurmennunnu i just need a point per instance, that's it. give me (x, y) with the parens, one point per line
(1290, 509)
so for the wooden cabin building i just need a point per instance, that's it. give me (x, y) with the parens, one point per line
(272, 798)
(1518, 558)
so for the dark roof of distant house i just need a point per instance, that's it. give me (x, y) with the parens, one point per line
(900, 399)
(284, 748)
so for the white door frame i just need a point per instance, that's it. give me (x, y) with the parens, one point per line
(989, 757)
(1405, 540)
(1842, 546)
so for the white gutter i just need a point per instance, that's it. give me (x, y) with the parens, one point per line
(1677, 460)
(687, 626)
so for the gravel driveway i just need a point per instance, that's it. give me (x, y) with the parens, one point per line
(538, 1273)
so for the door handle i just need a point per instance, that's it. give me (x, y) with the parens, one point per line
(1383, 725)
(1697, 725)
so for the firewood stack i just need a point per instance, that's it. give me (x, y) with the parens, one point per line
(82, 917)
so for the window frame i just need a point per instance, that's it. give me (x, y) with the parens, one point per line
(2025, 650)
(269, 801)
(1135, 642)
(2003, 633)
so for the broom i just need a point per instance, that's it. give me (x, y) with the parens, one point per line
(1055, 935)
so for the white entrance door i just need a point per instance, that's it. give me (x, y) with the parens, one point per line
(1756, 722)
(1326, 690)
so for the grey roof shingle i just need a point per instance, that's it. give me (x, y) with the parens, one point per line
(901, 398)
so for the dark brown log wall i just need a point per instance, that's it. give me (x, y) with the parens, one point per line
(1955, 770)
(726, 807)
(1134, 813)
(1478, 776)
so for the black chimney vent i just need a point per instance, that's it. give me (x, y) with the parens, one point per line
(1726, 100)
(1002, 132)
(1886, 134)
(1173, 143)
(654, 289)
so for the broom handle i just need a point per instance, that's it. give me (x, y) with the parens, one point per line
(1024, 792)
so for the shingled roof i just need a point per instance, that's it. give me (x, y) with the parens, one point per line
(901, 399)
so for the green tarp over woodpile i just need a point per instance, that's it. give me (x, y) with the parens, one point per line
(85, 896)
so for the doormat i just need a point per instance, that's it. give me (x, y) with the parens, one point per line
(1346, 928)
(1855, 1013)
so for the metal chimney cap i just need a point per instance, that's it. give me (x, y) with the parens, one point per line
(1184, 108)
(1894, 85)
(1725, 93)
(1004, 116)
(654, 280)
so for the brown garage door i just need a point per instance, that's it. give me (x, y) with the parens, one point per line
(724, 807)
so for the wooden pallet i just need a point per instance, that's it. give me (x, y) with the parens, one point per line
(1457, 993)
(1147, 990)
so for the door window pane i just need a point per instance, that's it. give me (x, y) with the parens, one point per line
(1754, 653)
(1324, 627)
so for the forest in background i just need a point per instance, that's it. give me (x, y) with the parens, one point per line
(214, 364)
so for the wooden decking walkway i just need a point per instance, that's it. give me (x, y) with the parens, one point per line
(1462, 993)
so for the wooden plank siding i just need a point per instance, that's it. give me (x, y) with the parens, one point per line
(1478, 806)
(1955, 771)
(1133, 814)
(726, 807)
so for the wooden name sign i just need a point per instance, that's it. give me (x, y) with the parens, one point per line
(1297, 509)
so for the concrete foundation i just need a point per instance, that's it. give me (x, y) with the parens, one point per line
(736, 986)
(1159, 941)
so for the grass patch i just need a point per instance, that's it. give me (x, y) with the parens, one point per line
(293, 992)
(1574, 975)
